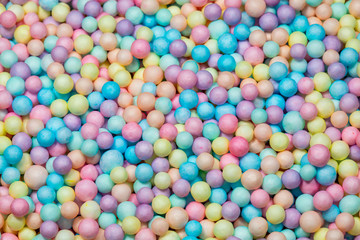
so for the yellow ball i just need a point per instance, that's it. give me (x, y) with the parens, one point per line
(78, 104)
(4, 77)
(354, 119)
(123, 78)
(83, 44)
(346, 33)
(2, 129)
(114, 68)
(18, 11)
(151, 60)
(90, 209)
(261, 72)
(355, 231)
(4, 143)
(297, 37)
(65, 234)
(24, 163)
(246, 132)
(348, 168)
(348, 21)
(196, 18)
(131, 225)
(161, 204)
(26, 234)
(353, 43)
(177, 157)
(313, 97)
(43, 13)
(30, 7)
(325, 107)
(107, 23)
(212, 45)
(60, 11)
(63, 83)
(243, 69)
(65, 194)
(90, 71)
(22, 34)
(162, 180)
(320, 138)
(13, 125)
(320, 234)
(213, 212)
(189, 44)
(59, 108)
(18, 189)
(118, 175)
(15, 223)
(220, 145)
(316, 125)
(144, 33)
(279, 141)
(162, 147)
(298, 154)
(232, 173)
(275, 214)
(223, 229)
(322, 81)
(72, 178)
(200, 191)
(170, 235)
(340, 150)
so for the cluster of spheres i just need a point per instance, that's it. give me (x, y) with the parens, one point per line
(179, 119)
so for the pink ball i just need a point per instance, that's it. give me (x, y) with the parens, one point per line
(318, 155)
(6, 99)
(187, 79)
(19, 207)
(31, 18)
(200, 34)
(351, 185)
(254, 55)
(228, 159)
(8, 236)
(88, 228)
(140, 48)
(333, 133)
(336, 192)
(354, 86)
(95, 117)
(233, 3)
(33, 84)
(145, 233)
(249, 91)
(349, 135)
(66, 42)
(89, 172)
(90, 59)
(41, 112)
(86, 190)
(21, 51)
(38, 30)
(4, 44)
(322, 201)
(308, 111)
(195, 211)
(310, 187)
(134, 199)
(306, 85)
(259, 198)
(238, 146)
(57, 149)
(8, 19)
(228, 123)
(168, 131)
(194, 126)
(89, 131)
(175, 101)
(132, 132)
(5, 204)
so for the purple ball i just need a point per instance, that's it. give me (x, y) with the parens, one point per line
(291, 179)
(230, 211)
(92, 8)
(145, 195)
(332, 42)
(232, 16)
(301, 139)
(125, 28)
(205, 80)
(105, 140)
(59, 54)
(214, 178)
(114, 232)
(201, 145)
(39, 155)
(268, 21)
(218, 95)
(244, 110)
(298, 51)
(23, 141)
(74, 19)
(109, 108)
(160, 165)
(337, 71)
(20, 69)
(123, 5)
(144, 212)
(272, 3)
(292, 218)
(294, 103)
(212, 12)
(242, 47)
(62, 164)
(96, 37)
(144, 150)
(315, 66)
(286, 14)
(355, 153)
(72, 122)
(178, 48)
(7, 33)
(108, 203)
(172, 72)
(157, 191)
(233, 238)
(181, 187)
(275, 114)
(213, 59)
(349, 103)
(49, 229)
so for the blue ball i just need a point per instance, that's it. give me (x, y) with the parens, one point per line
(130, 155)
(247, 19)
(349, 57)
(227, 43)
(205, 111)
(304, 203)
(110, 90)
(95, 100)
(300, 23)
(188, 171)
(149, 21)
(16, 86)
(158, 31)
(191, 65)
(89, 148)
(22, 105)
(234, 96)
(163, 17)
(331, 214)
(172, 34)
(193, 228)
(46, 194)
(55, 181)
(338, 89)
(326, 175)
(242, 32)
(149, 87)
(50, 212)
(3, 164)
(115, 124)
(45, 137)
(184, 140)
(218, 195)
(161, 46)
(211, 131)
(48, 5)
(55, 123)
(249, 212)
(226, 63)
(46, 96)
(10, 175)
(350, 204)
(63, 135)
(240, 196)
(120, 144)
(224, 109)
(110, 159)
(104, 183)
(308, 172)
(144, 172)
(200, 53)
(250, 161)
(278, 71)
(272, 184)
(276, 100)
(188, 98)
(315, 32)
(315, 48)
(258, 116)
(13, 154)
(164, 105)
(293, 122)
(182, 114)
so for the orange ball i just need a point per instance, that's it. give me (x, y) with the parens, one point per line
(207, 229)
(284, 198)
(311, 221)
(297, 4)
(308, 11)
(334, 234)
(205, 161)
(1, 221)
(33, 221)
(314, 20)
(153, 74)
(226, 80)
(34, 126)
(323, 11)
(121, 192)
(331, 26)
(174, 174)
(51, 29)
(247, 81)
(77, 159)
(285, 52)
(135, 87)
(146, 101)
(251, 179)
(55, 69)
(166, 89)
(160, 226)
(113, 55)
(258, 227)
(255, 8)
(76, 223)
(286, 159)
(64, 30)
(280, 36)
(256, 146)
(257, 38)
(149, 7)
(262, 132)
(125, 99)
(155, 118)
(330, 56)
(132, 114)
(270, 165)
(339, 119)
(124, 57)
(131, 173)
(108, 41)
(178, 22)
(69, 210)
(265, 88)
(177, 218)
(98, 83)
(186, 9)
(35, 47)
(276, 236)
(84, 86)
(354, 8)
(344, 221)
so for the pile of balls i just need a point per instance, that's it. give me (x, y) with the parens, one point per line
(179, 119)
